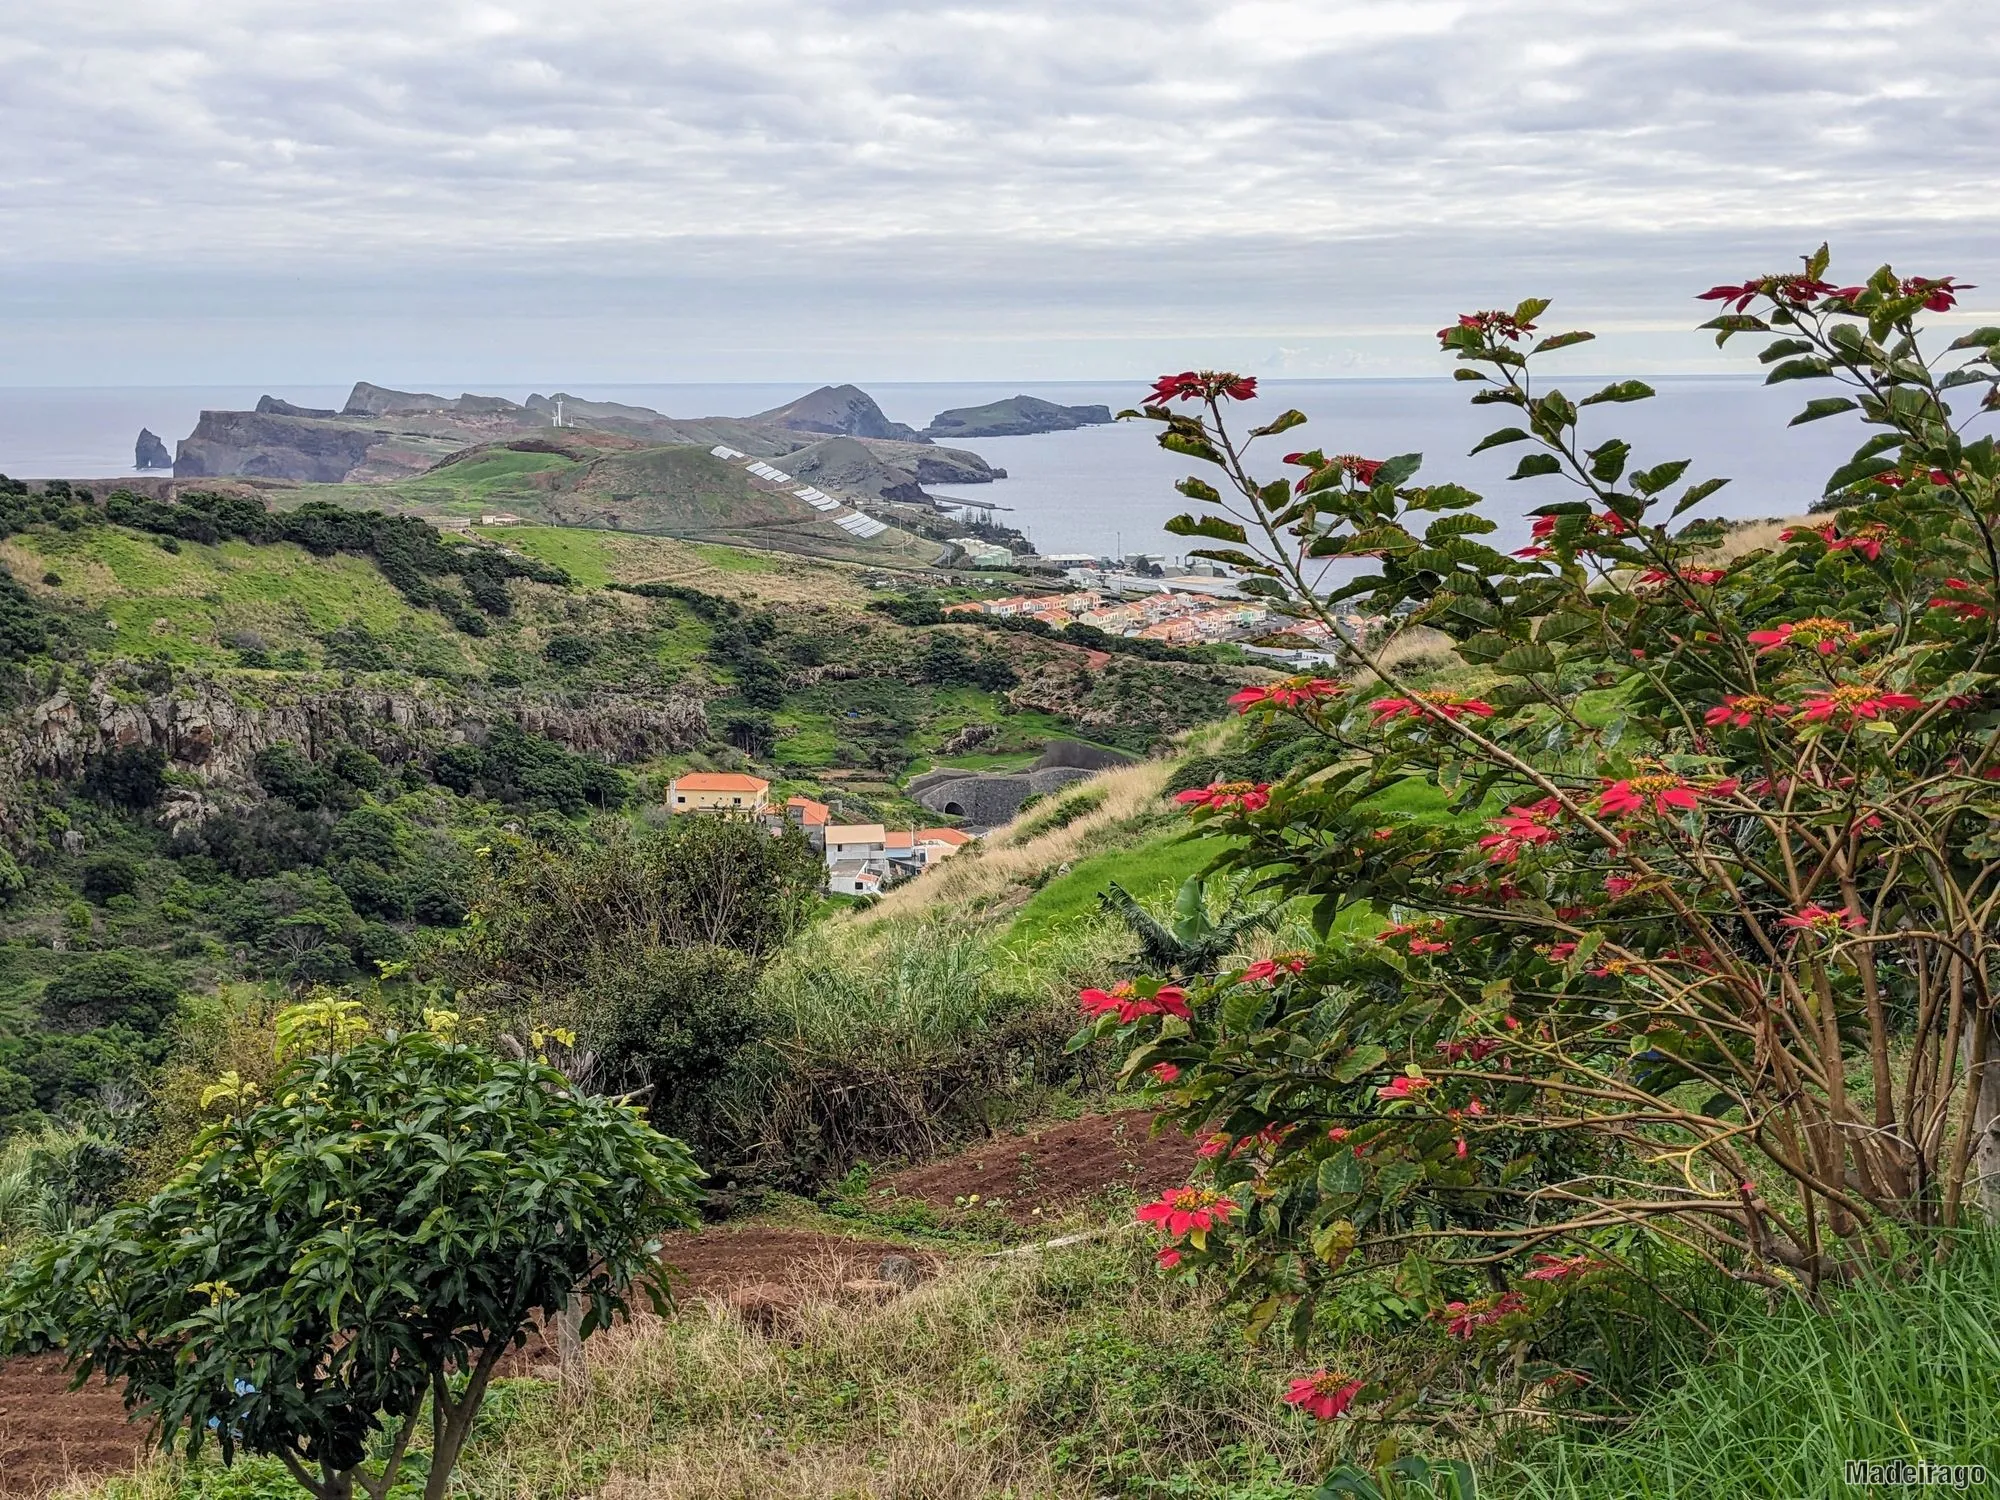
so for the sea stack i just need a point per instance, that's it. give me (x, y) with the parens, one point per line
(149, 452)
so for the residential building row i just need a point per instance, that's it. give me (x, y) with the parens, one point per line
(862, 859)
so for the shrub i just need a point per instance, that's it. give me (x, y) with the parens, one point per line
(108, 875)
(107, 988)
(129, 775)
(476, 1193)
(1703, 898)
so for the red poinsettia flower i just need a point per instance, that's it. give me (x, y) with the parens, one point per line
(1293, 692)
(1743, 709)
(1463, 1319)
(1561, 953)
(1203, 385)
(1422, 705)
(1220, 796)
(1168, 1258)
(1939, 296)
(1166, 1072)
(1403, 1087)
(1185, 1210)
(1824, 921)
(1130, 1006)
(1476, 1050)
(1323, 1395)
(1820, 634)
(1493, 324)
(1619, 886)
(1965, 609)
(1663, 792)
(1267, 970)
(1854, 702)
(1523, 828)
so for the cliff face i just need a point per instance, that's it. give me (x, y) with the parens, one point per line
(149, 452)
(213, 727)
(267, 446)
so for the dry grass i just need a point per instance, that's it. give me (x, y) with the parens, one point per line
(1752, 535)
(1007, 864)
(953, 1392)
(1413, 653)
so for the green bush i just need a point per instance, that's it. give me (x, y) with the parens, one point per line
(107, 988)
(475, 1194)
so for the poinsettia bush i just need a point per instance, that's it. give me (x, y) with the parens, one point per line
(1703, 954)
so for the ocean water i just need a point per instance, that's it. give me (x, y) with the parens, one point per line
(1105, 490)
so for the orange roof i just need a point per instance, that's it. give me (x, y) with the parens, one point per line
(811, 813)
(719, 781)
(953, 836)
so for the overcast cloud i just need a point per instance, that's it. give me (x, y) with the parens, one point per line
(633, 189)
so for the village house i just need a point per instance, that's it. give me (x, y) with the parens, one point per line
(802, 813)
(884, 855)
(716, 791)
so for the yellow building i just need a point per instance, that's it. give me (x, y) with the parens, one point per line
(716, 791)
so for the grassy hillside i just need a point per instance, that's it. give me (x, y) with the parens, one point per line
(679, 491)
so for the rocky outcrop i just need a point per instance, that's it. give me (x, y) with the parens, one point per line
(266, 446)
(367, 400)
(149, 452)
(1017, 416)
(213, 728)
(272, 406)
(843, 410)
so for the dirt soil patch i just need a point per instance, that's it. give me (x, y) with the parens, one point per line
(49, 1432)
(1056, 1167)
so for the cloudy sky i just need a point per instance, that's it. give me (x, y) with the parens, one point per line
(577, 190)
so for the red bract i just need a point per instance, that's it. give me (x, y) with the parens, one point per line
(1183, 1210)
(1203, 385)
(1939, 296)
(1819, 633)
(1477, 1050)
(1323, 1395)
(1129, 1006)
(1619, 886)
(1168, 1258)
(1743, 709)
(1490, 324)
(1267, 970)
(1853, 703)
(1423, 705)
(1463, 1319)
(1166, 1072)
(1523, 828)
(1965, 609)
(1293, 692)
(1560, 1268)
(1824, 921)
(1220, 796)
(1793, 289)
(1662, 792)
(1403, 1087)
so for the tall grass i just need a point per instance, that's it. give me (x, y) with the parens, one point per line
(895, 1039)
(1901, 1368)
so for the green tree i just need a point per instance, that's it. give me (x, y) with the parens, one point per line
(372, 1242)
(105, 988)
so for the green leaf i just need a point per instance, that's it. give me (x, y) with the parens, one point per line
(1526, 660)
(1778, 348)
(1241, 1009)
(1283, 423)
(1620, 391)
(1812, 367)
(1395, 470)
(1696, 494)
(1651, 481)
(1607, 460)
(1339, 1175)
(1530, 309)
(1209, 526)
(1817, 262)
(1561, 341)
(1537, 463)
(1822, 406)
(1730, 324)
(1979, 338)
(1196, 489)
(1851, 474)
(1363, 1059)
(1498, 439)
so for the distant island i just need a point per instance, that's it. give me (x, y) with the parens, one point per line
(835, 434)
(1017, 416)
